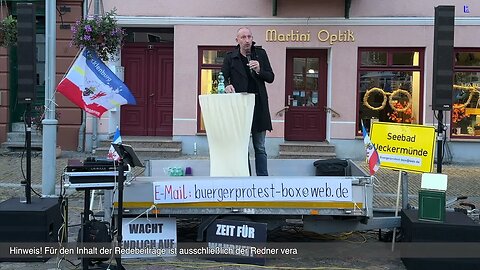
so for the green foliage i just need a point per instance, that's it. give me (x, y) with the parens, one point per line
(8, 31)
(38, 114)
(100, 34)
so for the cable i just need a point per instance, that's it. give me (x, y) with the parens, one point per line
(23, 155)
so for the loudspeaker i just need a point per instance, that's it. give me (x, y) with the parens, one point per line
(26, 53)
(457, 228)
(37, 222)
(442, 90)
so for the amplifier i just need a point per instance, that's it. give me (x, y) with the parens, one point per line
(92, 164)
(96, 180)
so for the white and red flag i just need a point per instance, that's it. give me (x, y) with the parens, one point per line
(117, 139)
(373, 159)
(93, 87)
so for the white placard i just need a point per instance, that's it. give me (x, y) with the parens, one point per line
(435, 181)
(250, 189)
(152, 237)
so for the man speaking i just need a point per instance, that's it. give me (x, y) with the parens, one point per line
(246, 69)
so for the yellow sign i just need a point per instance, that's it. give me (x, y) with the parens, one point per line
(404, 146)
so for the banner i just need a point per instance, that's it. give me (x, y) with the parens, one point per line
(148, 237)
(266, 189)
(93, 87)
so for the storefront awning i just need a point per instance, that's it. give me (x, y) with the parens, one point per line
(347, 8)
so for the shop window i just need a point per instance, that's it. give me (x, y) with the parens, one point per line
(465, 116)
(389, 85)
(210, 64)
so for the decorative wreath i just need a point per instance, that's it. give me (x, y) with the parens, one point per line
(472, 91)
(400, 92)
(367, 95)
(391, 102)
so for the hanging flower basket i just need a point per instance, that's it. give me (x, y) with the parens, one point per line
(99, 33)
(8, 31)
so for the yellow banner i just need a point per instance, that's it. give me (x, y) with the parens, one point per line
(404, 146)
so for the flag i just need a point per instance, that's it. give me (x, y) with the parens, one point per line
(93, 87)
(373, 159)
(117, 139)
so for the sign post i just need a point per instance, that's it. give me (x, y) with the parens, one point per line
(404, 147)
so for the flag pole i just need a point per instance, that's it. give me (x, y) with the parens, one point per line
(396, 208)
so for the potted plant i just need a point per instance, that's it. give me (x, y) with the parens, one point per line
(8, 31)
(100, 34)
(38, 114)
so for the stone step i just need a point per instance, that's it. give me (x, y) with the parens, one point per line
(20, 137)
(305, 155)
(146, 142)
(146, 153)
(18, 146)
(307, 147)
(18, 127)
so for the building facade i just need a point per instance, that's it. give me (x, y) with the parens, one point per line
(337, 63)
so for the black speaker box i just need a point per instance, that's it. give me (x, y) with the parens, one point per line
(331, 167)
(442, 91)
(457, 228)
(26, 51)
(37, 222)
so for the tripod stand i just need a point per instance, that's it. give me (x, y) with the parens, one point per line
(127, 157)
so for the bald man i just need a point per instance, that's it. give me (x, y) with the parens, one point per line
(246, 69)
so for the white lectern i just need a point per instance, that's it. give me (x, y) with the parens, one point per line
(228, 121)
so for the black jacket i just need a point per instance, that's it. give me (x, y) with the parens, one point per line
(235, 74)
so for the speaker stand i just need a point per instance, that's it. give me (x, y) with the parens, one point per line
(27, 183)
(439, 141)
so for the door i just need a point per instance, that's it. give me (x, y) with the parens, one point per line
(305, 95)
(149, 75)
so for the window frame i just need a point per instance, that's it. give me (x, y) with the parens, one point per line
(392, 68)
(463, 69)
(202, 66)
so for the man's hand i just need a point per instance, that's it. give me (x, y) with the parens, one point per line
(229, 89)
(254, 65)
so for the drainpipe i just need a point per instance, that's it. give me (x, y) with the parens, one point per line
(49, 140)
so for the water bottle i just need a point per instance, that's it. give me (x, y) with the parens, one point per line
(180, 171)
(221, 84)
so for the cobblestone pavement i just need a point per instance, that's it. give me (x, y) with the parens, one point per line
(463, 181)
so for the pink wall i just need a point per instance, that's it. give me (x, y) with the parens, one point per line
(343, 66)
(342, 85)
(185, 8)
(287, 8)
(413, 8)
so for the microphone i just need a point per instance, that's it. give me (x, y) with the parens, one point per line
(249, 58)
